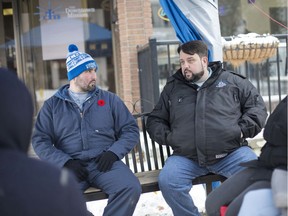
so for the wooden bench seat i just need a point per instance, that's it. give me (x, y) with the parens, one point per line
(146, 161)
(149, 183)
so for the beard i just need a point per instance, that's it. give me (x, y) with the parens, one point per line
(91, 86)
(195, 76)
(84, 87)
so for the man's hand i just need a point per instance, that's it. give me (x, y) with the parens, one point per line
(78, 167)
(105, 161)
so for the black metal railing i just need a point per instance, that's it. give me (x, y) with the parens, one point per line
(158, 60)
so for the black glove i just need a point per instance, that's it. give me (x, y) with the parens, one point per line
(106, 160)
(78, 168)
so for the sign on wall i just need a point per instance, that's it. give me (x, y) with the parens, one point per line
(61, 23)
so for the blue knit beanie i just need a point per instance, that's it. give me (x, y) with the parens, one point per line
(78, 62)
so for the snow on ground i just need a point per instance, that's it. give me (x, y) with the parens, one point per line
(153, 204)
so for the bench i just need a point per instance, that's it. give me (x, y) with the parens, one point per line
(146, 160)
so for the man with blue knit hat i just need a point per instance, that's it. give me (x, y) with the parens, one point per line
(89, 130)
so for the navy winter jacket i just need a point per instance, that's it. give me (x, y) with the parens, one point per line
(63, 132)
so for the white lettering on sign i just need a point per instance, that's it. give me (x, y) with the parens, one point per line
(73, 12)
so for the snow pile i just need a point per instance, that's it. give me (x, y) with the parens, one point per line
(153, 204)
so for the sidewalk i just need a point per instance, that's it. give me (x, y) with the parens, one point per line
(153, 204)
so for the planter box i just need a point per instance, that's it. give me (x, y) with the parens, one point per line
(249, 47)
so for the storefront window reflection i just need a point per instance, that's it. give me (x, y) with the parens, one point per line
(45, 30)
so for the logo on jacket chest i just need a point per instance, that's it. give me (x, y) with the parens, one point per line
(221, 84)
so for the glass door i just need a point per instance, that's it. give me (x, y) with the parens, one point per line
(7, 40)
(35, 34)
(14, 21)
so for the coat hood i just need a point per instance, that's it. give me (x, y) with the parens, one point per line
(16, 112)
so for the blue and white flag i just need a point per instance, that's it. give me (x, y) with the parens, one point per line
(196, 20)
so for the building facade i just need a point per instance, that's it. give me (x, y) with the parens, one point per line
(35, 34)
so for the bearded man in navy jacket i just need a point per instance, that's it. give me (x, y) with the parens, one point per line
(89, 130)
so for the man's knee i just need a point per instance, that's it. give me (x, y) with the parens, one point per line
(131, 187)
(165, 179)
(132, 190)
(246, 153)
(135, 189)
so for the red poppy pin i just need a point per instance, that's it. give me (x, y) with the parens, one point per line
(101, 102)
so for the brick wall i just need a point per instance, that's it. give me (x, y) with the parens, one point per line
(133, 27)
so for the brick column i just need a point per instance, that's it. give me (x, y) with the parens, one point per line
(133, 27)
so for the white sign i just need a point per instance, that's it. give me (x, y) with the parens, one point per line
(61, 24)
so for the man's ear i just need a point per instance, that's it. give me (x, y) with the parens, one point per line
(205, 60)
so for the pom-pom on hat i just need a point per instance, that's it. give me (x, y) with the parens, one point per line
(78, 62)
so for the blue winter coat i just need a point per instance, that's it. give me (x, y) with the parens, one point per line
(63, 132)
